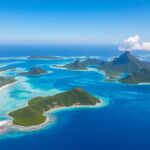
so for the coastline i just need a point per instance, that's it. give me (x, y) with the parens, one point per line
(5, 86)
(50, 119)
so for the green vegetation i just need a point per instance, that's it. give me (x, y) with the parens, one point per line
(35, 71)
(44, 58)
(6, 80)
(82, 65)
(33, 114)
(142, 76)
(127, 63)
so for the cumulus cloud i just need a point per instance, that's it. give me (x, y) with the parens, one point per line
(134, 43)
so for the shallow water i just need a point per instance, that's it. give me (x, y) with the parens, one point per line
(123, 124)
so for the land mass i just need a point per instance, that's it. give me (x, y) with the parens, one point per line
(33, 114)
(142, 76)
(127, 63)
(82, 65)
(35, 71)
(6, 80)
(44, 58)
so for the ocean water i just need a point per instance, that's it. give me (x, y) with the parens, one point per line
(123, 123)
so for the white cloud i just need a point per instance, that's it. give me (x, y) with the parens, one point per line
(134, 43)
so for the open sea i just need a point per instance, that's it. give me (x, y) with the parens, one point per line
(122, 123)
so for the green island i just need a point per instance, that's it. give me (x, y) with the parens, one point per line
(138, 70)
(126, 63)
(6, 80)
(44, 58)
(142, 76)
(82, 65)
(33, 114)
(35, 71)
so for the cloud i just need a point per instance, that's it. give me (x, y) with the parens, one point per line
(134, 43)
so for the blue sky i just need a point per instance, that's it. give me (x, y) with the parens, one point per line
(73, 21)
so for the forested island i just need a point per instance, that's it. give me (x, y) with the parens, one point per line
(82, 65)
(138, 71)
(33, 114)
(44, 58)
(34, 71)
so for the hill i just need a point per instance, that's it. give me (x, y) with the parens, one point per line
(35, 71)
(82, 65)
(142, 76)
(33, 114)
(126, 63)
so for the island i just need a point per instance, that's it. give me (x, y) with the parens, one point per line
(7, 68)
(77, 65)
(82, 65)
(44, 58)
(142, 76)
(6, 80)
(127, 63)
(33, 114)
(35, 71)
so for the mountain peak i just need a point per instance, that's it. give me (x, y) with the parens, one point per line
(126, 53)
(125, 57)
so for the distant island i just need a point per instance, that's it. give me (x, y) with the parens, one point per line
(33, 114)
(35, 71)
(82, 65)
(127, 63)
(142, 76)
(138, 71)
(44, 58)
(6, 80)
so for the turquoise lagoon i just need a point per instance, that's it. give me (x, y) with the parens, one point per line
(122, 124)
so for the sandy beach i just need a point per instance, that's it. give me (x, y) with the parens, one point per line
(5, 86)
(51, 119)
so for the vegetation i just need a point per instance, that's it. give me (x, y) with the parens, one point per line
(33, 114)
(35, 71)
(126, 63)
(6, 80)
(44, 58)
(142, 76)
(82, 65)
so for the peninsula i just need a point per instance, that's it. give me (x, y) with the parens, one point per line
(6, 80)
(33, 114)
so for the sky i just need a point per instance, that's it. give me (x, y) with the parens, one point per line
(73, 21)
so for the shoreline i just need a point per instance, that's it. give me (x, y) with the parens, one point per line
(5, 86)
(50, 119)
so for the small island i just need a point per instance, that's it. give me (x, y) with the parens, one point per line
(6, 81)
(82, 65)
(33, 114)
(35, 71)
(44, 58)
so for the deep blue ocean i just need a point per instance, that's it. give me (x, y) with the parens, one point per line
(122, 124)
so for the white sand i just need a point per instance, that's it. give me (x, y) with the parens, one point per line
(50, 120)
(5, 86)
